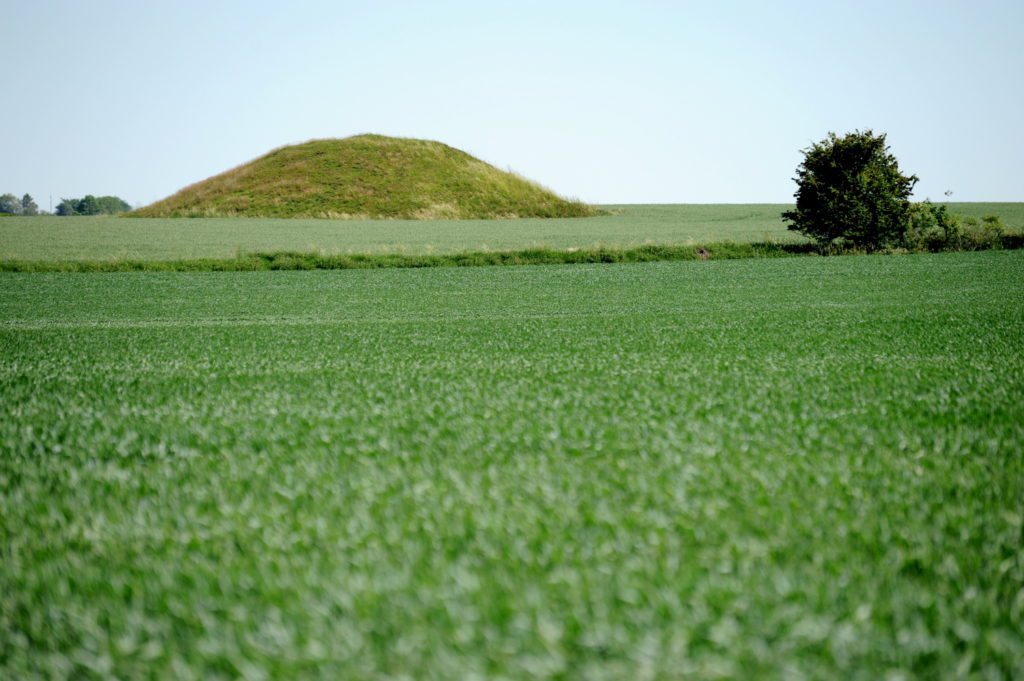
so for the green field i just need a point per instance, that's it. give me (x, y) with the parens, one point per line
(100, 238)
(111, 238)
(809, 468)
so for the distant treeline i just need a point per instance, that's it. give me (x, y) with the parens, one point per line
(88, 205)
(12, 205)
(93, 205)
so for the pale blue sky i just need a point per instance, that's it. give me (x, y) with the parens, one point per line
(634, 101)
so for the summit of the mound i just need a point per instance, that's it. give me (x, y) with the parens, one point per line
(366, 176)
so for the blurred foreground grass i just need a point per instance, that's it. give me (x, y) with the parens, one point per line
(802, 468)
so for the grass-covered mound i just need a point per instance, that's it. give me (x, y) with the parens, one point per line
(366, 176)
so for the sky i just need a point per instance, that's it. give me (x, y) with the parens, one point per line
(633, 101)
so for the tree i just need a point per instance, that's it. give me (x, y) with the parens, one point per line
(112, 205)
(93, 205)
(28, 206)
(88, 205)
(67, 207)
(10, 204)
(850, 190)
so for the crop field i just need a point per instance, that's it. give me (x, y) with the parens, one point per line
(113, 238)
(101, 238)
(806, 468)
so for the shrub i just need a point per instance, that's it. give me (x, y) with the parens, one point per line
(933, 228)
(984, 235)
(850, 192)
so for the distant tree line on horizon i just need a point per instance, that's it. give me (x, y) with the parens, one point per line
(88, 205)
(12, 205)
(93, 205)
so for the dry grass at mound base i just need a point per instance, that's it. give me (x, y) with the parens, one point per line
(367, 177)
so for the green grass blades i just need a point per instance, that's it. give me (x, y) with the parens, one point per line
(795, 468)
(286, 260)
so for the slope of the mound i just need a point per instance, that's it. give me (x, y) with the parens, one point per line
(366, 176)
